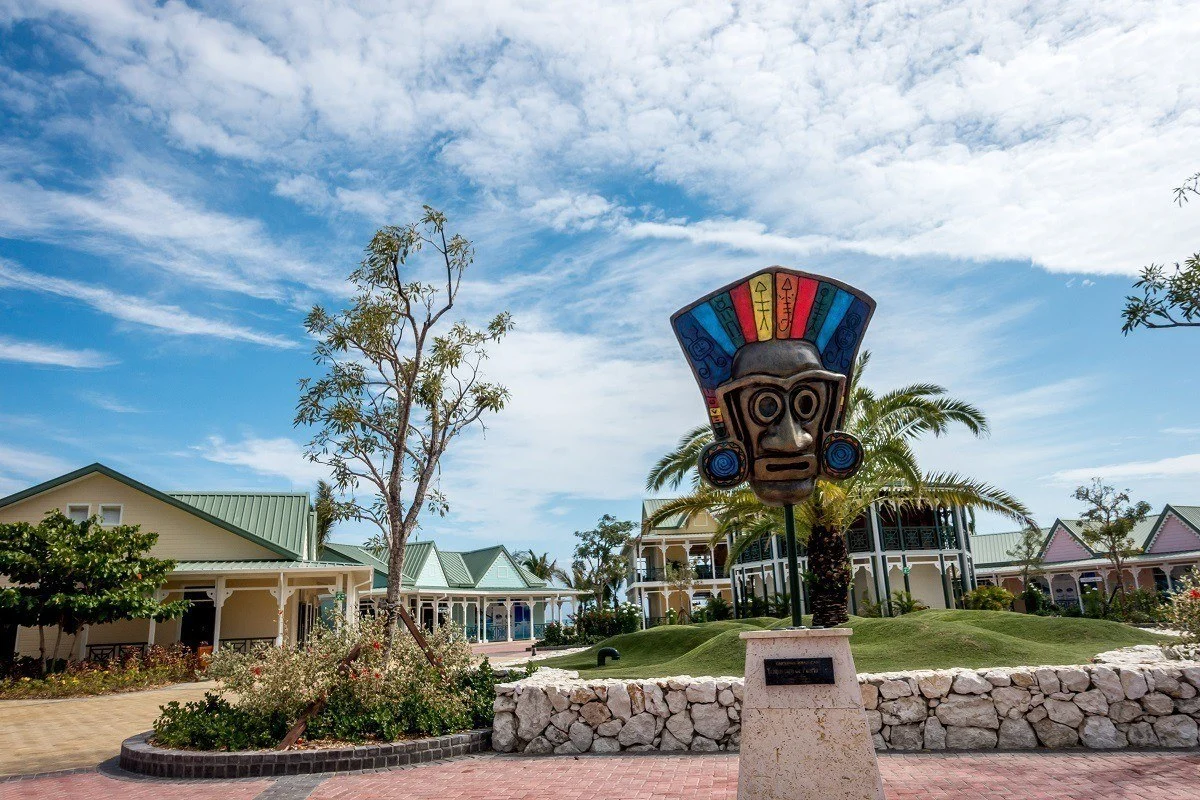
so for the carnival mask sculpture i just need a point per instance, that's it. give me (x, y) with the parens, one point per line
(772, 354)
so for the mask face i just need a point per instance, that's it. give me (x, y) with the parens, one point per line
(781, 424)
(771, 354)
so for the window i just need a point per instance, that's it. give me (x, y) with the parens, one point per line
(77, 513)
(110, 515)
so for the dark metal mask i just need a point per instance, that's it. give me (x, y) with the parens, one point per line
(772, 355)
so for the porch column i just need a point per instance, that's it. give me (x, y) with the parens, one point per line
(532, 637)
(1078, 589)
(945, 581)
(352, 602)
(339, 587)
(508, 617)
(281, 602)
(712, 563)
(218, 602)
(481, 630)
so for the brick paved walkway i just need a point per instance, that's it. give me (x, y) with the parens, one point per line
(45, 735)
(1009, 776)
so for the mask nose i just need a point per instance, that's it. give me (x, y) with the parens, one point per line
(787, 437)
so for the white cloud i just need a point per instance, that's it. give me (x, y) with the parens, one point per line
(994, 131)
(1173, 467)
(30, 464)
(138, 310)
(106, 402)
(279, 457)
(583, 423)
(25, 352)
(139, 222)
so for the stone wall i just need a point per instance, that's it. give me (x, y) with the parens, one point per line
(1093, 706)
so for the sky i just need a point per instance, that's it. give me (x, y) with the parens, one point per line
(181, 182)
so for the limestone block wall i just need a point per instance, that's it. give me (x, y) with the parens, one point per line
(1091, 706)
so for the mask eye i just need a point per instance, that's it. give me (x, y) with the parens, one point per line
(766, 406)
(805, 403)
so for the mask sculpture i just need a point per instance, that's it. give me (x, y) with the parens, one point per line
(772, 354)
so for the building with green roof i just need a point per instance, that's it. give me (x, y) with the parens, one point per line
(1168, 545)
(487, 591)
(250, 566)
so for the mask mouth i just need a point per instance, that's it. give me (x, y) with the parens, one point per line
(803, 467)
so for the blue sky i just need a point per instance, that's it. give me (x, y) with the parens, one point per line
(180, 182)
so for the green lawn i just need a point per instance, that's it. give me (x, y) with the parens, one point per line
(924, 640)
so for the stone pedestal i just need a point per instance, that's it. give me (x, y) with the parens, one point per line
(805, 742)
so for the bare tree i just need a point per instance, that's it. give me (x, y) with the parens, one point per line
(398, 386)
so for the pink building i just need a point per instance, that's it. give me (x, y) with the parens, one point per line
(1169, 543)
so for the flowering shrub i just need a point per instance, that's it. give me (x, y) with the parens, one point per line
(366, 699)
(1185, 608)
(159, 666)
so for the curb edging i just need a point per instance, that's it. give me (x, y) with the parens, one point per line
(138, 755)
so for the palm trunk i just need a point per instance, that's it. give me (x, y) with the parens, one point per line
(829, 563)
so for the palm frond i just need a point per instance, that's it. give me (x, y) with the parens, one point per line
(671, 470)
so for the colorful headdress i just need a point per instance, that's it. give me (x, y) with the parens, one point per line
(777, 303)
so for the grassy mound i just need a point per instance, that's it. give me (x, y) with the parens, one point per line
(924, 640)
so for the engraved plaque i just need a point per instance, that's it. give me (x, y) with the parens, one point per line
(798, 671)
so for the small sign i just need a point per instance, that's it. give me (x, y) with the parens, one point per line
(906, 570)
(798, 671)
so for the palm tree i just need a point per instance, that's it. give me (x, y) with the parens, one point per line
(542, 566)
(886, 424)
(325, 507)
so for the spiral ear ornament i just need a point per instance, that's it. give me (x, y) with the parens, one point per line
(723, 464)
(841, 455)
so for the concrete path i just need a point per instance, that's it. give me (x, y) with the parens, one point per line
(1084, 775)
(47, 735)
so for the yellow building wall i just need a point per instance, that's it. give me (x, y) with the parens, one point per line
(253, 614)
(181, 535)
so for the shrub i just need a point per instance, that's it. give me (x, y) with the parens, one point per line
(606, 622)
(989, 598)
(555, 634)
(1141, 607)
(1035, 601)
(215, 724)
(1185, 609)
(159, 666)
(904, 603)
(366, 699)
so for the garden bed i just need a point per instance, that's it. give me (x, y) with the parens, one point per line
(138, 755)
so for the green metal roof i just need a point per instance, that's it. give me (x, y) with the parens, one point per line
(991, 549)
(653, 504)
(455, 569)
(271, 565)
(357, 554)
(1191, 514)
(463, 570)
(170, 500)
(478, 562)
(415, 554)
(284, 519)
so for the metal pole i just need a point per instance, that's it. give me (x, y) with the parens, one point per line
(789, 528)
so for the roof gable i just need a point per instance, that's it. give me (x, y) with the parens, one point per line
(431, 573)
(503, 573)
(108, 472)
(1173, 532)
(1064, 545)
